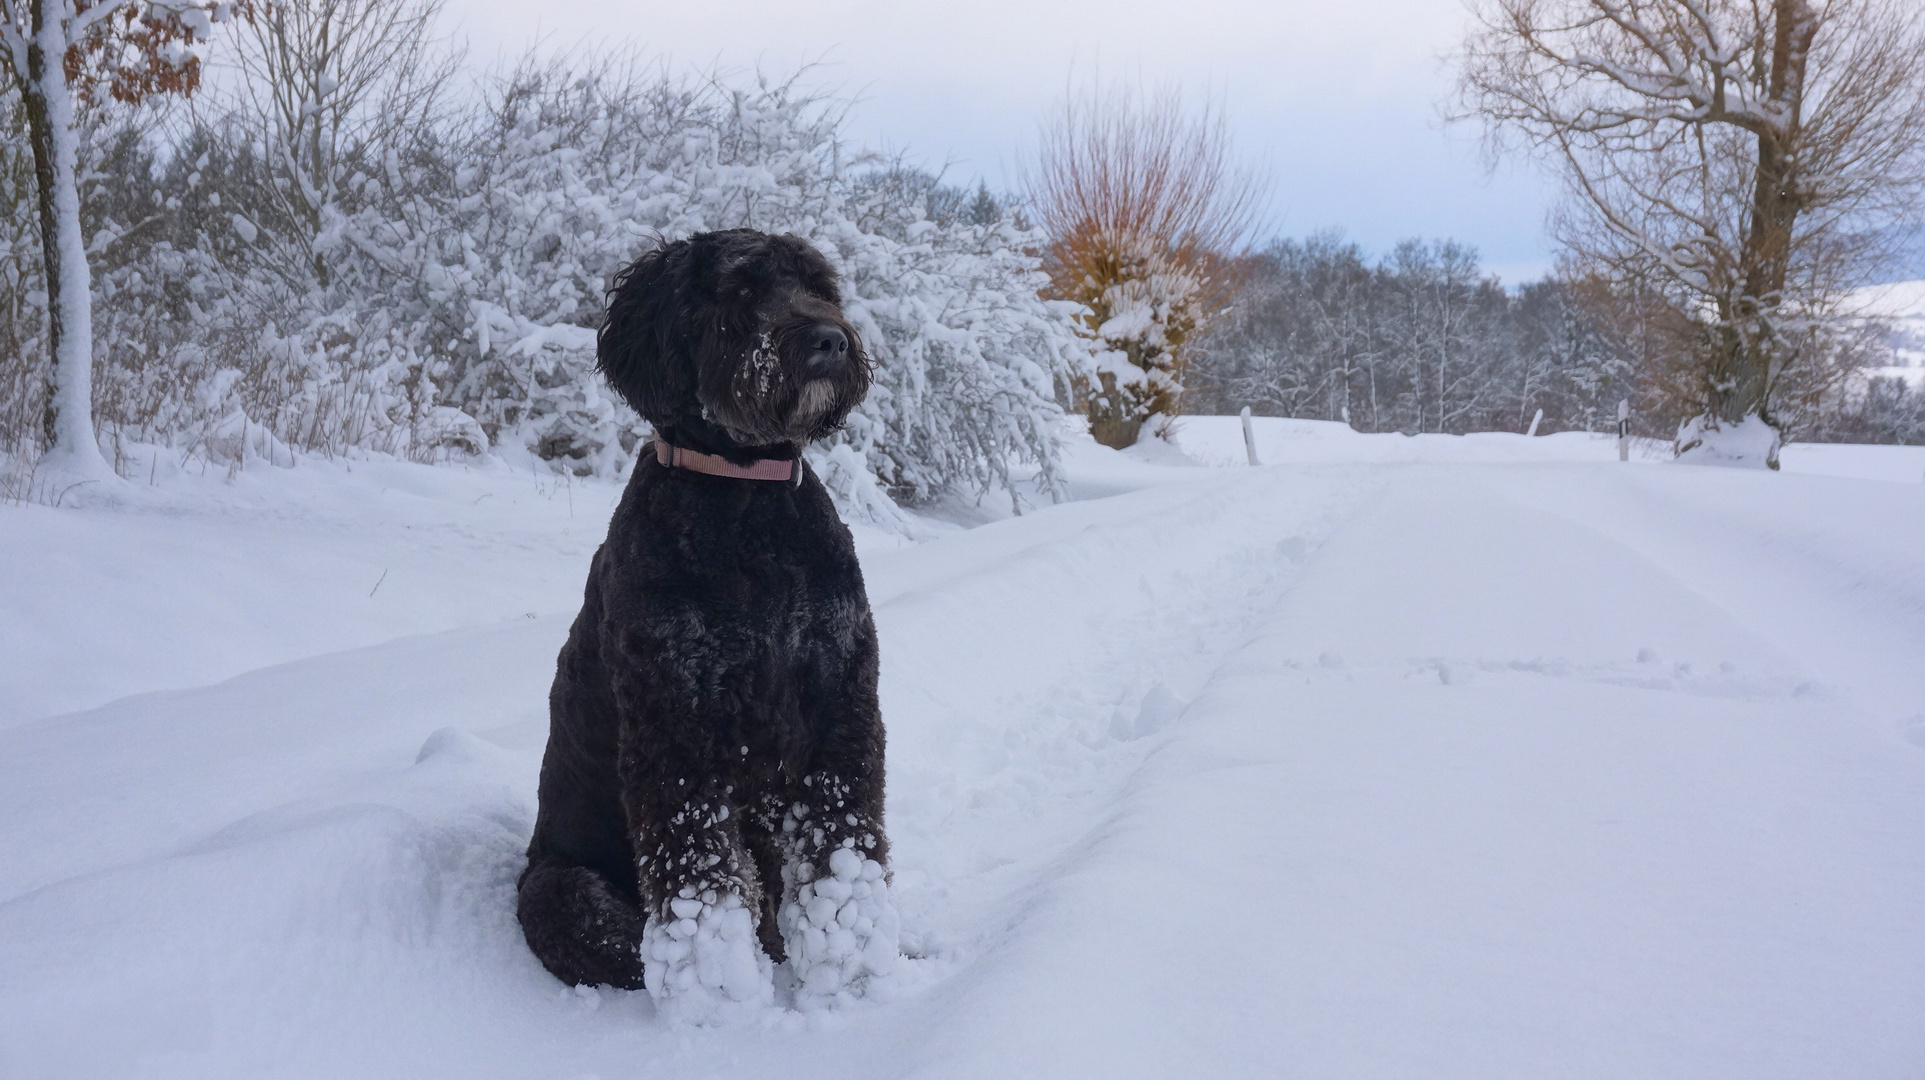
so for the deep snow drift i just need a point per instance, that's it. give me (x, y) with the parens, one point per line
(1481, 757)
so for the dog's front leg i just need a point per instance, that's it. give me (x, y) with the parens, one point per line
(700, 957)
(838, 920)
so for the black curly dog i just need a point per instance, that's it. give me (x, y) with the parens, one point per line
(713, 719)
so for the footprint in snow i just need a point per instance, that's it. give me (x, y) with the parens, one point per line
(1160, 706)
(453, 746)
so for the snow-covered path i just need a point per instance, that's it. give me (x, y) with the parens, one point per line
(1437, 819)
(1321, 770)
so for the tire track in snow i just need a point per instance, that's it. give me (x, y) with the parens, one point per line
(1023, 690)
(327, 893)
(1346, 862)
(1828, 576)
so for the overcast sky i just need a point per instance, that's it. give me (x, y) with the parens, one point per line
(1338, 100)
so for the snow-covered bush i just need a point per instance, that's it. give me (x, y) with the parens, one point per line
(569, 175)
(435, 288)
(1143, 309)
(969, 359)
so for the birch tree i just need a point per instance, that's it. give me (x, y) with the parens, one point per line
(64, 55)
(1748, 156)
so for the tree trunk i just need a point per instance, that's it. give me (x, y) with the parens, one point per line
(1113, 421)
(68, 424)
(1739, 371)
(1742, 389)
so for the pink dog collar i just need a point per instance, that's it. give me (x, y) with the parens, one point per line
(678, 457)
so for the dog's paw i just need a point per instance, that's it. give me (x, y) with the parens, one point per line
(702, 963)
(841, 931)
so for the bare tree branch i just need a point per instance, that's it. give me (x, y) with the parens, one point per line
(1752, 155)
(1147, 213)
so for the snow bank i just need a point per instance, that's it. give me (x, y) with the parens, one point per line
(199, 578)
(1351, 768)
(1218, 441)
(1749, 444)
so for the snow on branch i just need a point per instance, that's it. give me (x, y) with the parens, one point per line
(1748, 155)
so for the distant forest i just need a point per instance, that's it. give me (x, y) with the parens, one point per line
(1424, 340)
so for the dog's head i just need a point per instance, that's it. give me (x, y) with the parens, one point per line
(740, 329)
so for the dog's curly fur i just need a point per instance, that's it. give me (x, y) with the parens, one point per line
(721, 676)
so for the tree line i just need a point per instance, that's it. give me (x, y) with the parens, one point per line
(1424, 340)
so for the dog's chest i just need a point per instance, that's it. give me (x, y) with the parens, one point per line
(789, 598)
(744, 593)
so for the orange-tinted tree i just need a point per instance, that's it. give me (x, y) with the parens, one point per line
(1146, 213)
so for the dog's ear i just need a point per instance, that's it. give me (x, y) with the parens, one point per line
(639, 349)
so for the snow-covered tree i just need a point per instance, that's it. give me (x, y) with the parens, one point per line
(63, 55)
(1743, 157)
(431, 288)
(328, 90)
(1444, 316)
(947, 290)
(573, 171)
(1145, 212)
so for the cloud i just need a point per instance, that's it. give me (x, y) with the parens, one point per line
(1339, 100)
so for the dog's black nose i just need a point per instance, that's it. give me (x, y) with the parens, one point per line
(826, 346)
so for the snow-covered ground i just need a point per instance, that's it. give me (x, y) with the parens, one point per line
(1473, 757)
